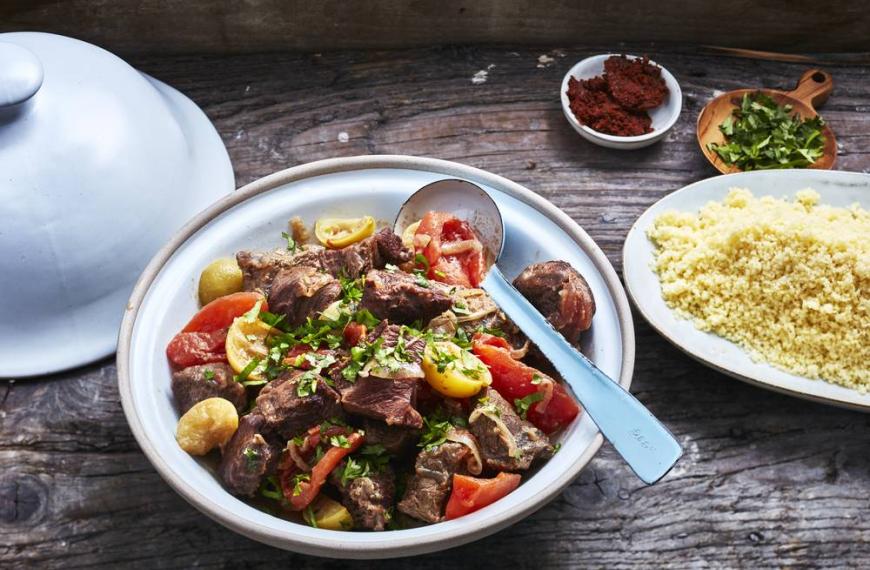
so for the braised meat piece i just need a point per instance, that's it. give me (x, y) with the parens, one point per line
(197, 383)
(374, 252)
(391, 401)
(561, 294)
(395, 440)
(428, 489)
(288, 413)
(259, 268)
(369, 498)
(402, 298)
(302, 291)
(247, 457)
(507, 442)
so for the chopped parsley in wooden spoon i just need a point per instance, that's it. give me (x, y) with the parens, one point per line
(762, 135)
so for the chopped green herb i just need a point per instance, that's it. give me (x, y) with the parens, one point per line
(761, 134)
(435, 428)
(365, 317)
(253, 313)
(339, 441)
(459, 308)
(523, 404)
(271, 489)
(537, 378)
(556, 448)
(309, 516)
(351, 289)
(251, 457)
(370, 459)
(439, 273)
(420, 279)
(297, 481)
(488, 407)
(307, 384)
(208, 374)
(246, 371)
(291, 243)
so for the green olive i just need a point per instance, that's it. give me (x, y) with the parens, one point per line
(221, 277)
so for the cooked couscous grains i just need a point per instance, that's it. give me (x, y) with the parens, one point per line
(788, 281)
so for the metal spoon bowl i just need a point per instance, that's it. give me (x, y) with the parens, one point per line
(645, 444)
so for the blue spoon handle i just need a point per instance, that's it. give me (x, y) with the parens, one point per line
(645, 444)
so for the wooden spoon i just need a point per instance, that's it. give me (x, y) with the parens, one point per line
(813, 89)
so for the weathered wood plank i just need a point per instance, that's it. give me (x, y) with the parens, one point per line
(767, 481)
(208, 26)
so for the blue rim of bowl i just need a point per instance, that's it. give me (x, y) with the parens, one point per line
(566, 107)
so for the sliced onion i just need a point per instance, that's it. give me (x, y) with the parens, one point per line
(445, 324)
(409, 233)
(520, 353)
(499, 425)
(474, 464)
(421, 241)
(457, 247)
(546, 387)
(293, 452)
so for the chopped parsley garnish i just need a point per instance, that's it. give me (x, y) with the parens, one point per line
(459, 308)
(307, 383)
(208, 374)
(761, 135)
(359, 356)
(421, 260)
(291, 243)
(371, 459)
(435, 429)
(271, 489)
(442, 358)
(420, 279)
(365, 317)
(246, 371)
(339, 441)
(523, 404)
(309, 516)
(556, 448)
(251, 457)
(488, 407)
(351, 289)
(297, 481)
(537, 378)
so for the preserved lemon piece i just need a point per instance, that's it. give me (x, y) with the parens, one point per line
(408, 235)
(220, 277)
(336, 233)
(246, 343)
(206, 425)
(329, 514)
(454, 372)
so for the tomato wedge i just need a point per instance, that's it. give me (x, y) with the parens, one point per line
(220, 313)
(307, 491)
(191, 348)
(470, 494)
(451, 248)
(514, 379)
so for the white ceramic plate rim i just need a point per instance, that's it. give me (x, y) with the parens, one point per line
(395, 543)
(670, 80)
(639, 277)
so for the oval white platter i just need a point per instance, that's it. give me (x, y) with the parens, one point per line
(836, 189)
(254, 217)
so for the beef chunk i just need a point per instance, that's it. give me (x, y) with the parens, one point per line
(561, 294)
(507, 442)
(396, 440)
(302, 291)
(355, 260)
(391, 401)
(197, 383)
(247, 457)
(369, 499)
(397, 296)
(428, 489)
(287, 413)
(259, 268)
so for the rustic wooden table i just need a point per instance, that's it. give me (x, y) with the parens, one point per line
(766, 480)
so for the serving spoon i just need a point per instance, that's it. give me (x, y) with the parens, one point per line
(811, 91)
(645, 444)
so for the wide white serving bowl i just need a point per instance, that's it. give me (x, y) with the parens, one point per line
(664, 117)
(254, 217)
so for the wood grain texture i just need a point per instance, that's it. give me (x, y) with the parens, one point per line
(221, 26)
(766, 482)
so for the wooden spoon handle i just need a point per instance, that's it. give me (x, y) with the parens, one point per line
(813, 88)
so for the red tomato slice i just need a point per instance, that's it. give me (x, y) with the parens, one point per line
(443, 230)
(191, 348)
(308, 490)
(470, 494)
(513, 380)
(220, 313)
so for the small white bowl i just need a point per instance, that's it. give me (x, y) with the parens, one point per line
(663, 117)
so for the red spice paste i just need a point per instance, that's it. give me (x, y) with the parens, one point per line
(616, 102)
